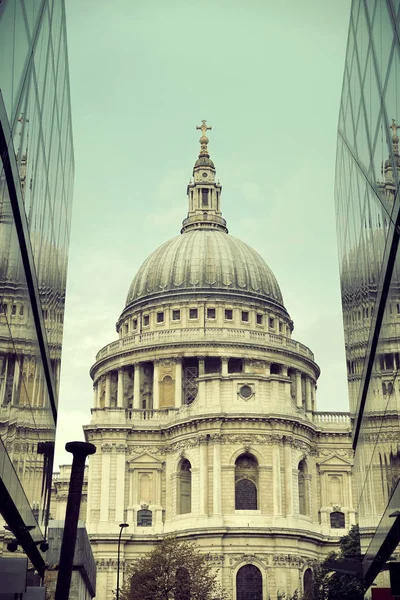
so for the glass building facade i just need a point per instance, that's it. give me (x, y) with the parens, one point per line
(36, 181)
(367, 212)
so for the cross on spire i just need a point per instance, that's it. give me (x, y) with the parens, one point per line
(204, 127)
(204, 139)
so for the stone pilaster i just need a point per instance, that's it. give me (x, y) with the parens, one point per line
(203, 477)
(217, 474)
(276, 478)
(288, 479)
(156, 385)
(120, 484)
(105, 482)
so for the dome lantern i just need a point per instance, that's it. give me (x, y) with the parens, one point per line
(204, 193)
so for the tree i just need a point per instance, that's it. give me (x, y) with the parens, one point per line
(333, 585)
(174, 570)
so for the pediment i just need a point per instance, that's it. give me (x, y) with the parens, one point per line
(335, 461)
(145, 459)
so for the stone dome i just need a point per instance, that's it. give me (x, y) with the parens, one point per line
(205, 260)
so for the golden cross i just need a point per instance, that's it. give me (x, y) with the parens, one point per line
(203, 127)
(394, 127)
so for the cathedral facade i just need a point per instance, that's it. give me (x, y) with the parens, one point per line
(205, 417)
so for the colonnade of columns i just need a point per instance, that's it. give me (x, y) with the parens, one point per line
(122, 401)
(303, 384)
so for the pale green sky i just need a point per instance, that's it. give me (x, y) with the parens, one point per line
(267, 76)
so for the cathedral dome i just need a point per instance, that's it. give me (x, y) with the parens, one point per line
(205, 260)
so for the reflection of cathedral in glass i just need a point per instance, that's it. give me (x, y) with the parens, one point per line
(205, 417)
(367, 213)
(36, 177)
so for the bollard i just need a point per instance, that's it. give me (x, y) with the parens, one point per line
(79, 450)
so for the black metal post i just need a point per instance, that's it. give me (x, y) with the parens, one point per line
(79, 450)
(121, 527)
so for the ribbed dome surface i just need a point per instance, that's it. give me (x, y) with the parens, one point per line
(204, 260)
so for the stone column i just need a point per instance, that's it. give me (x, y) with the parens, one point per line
(105, 482)
(217, 474)
(224, 366)
(156, 385)
(308, 395)
(203, 477)
(120, 485)
(95, 400)
(178, 383)
(108, 390)
(288, 480)
(276, 478)
(299, 395)
(267, 369)
(136, 386)
(120, 391)
(201, 366)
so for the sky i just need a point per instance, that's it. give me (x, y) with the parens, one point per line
(267, 76)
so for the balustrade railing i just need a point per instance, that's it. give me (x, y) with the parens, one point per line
(332, 417)
(215, 334)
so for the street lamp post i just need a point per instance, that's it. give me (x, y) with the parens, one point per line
(121, 527)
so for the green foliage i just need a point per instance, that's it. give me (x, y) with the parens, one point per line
(284, 596)
(331, 585)
(173, 570)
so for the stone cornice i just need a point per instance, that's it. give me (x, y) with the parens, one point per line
(202, 348)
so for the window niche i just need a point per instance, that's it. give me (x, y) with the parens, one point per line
(235, 365)
(337, 519)
(303, 491)
(212, 365)
(249, 583)
(184, 491)
(246, 482)
(193, 313)
(144, 518)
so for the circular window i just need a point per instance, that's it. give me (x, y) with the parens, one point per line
(245, 391)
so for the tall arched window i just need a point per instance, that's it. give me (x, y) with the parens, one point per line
(246, 482)
(184, 487)
(394, 470)
(308, 581)
(249, 583)
(303, 488)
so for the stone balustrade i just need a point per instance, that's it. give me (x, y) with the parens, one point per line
(195, 334)
(330, 419)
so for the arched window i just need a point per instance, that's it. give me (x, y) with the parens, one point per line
(182, 584)
(394, 471)
(246, 482)
(184, 487)
(249, 583)
(308, 582)
(338, 520)
(303, 488)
